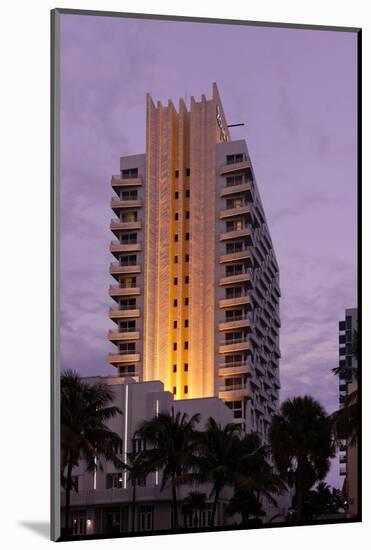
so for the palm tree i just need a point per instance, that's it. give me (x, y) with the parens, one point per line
(245, 503)
(172, 443)
(323, 500)
(301, 444)
(84, 435)
(231, 460)
(138, 471)
(193, 505)
(345, 421)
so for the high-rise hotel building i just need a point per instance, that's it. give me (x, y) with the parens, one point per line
(196, 297)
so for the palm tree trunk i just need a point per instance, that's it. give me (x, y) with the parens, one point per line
(133, 506)
(215, 504)
(68, 493)
(175, 503)
(299, 493)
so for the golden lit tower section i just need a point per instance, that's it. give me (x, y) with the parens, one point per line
(196, 293)
(179, 296)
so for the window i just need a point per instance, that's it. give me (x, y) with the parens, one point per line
(175, 280)
(128, 238)
(185, 389)
(129, 173)
(175, 302)
(128, 282)
(176, 237)
(176, 216)
(175, 259)
(129, 195)
(78, 523)
(138, 445)
(117, 448)
(234, 270)
(128, 260)
(145, 517)
(187, 236)
(233, 292)
(234, 225)
(236, 408)
(187, 193)
(238, 157)
(187, 214)
(348, 322)
(185, 345)
(186, 302)
(175, 324)
(174, 368)
(233, 315)
(114, 481)
(348, 336)
(177, 194)
(230, 248)
(129, 217)
(186, 279)
(233, 360)
(174, 390)
(188, 171)
(174, 346)
(75, 483)
(234, 203)
(127, 326)
(185, 367)
(127, 303)
(187, 257)
(127, 349)
(186, 322)
(238, 179)
(127, 370)
(177, 173)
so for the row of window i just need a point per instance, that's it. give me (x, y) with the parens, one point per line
(186, 323)
(185, 390)
(175, 367)
(187, 194)
(176, 237)
(175, 345)
(176, 215)
(187, 172)
(186, 280)
(186, 302)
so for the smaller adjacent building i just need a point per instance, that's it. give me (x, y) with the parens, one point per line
(348, 383)
(101, 503)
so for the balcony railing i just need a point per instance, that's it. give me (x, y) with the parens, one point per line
(233, 387)
(231, 341)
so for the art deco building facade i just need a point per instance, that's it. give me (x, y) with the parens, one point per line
(196, 297)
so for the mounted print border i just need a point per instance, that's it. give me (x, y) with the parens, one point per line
(206, 300)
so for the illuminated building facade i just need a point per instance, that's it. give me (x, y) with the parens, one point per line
(197, 282)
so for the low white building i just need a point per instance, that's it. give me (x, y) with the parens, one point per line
(102, 502)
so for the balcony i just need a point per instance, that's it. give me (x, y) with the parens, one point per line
(238, 344)
(234, 391)
(117, 248)
(118, 181)
(117, 225)
(235, 369)
(117, 291)
(118, 204)
(115, 358)
(245, 232)
(237, 301)
(343, 471)
(116, 314)
(239, 321)
(118, 336)
(245, 187)
(234, 167)
(245, 277)
(236, 256)
(238, 211)
(117, 269)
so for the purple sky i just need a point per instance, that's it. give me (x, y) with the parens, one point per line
(295, 90)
